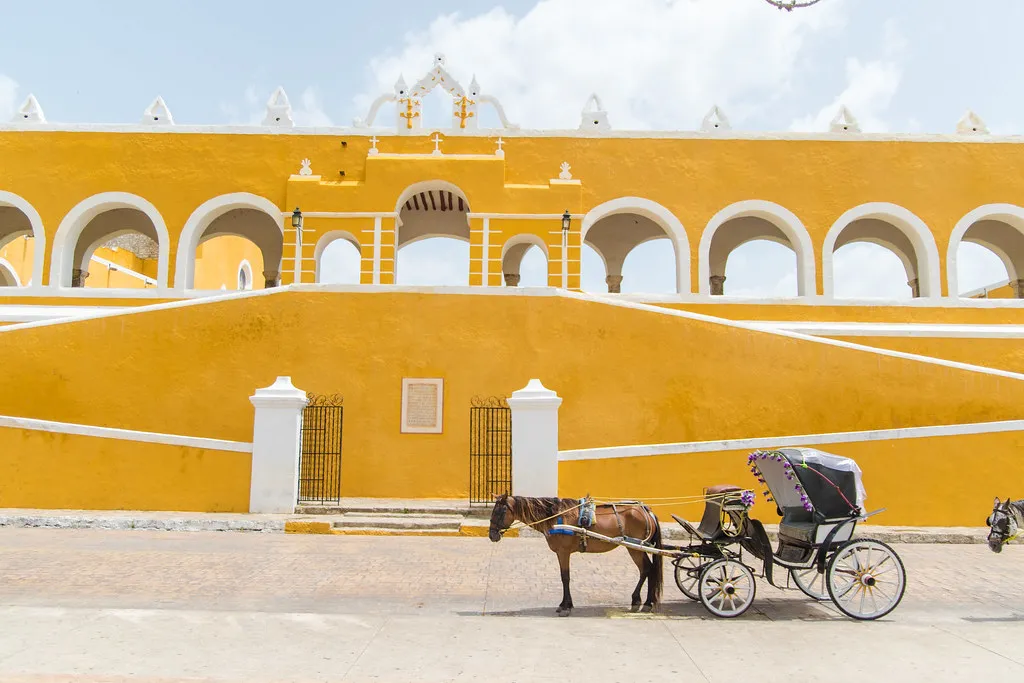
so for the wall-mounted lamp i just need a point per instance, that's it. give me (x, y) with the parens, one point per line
(566, 220)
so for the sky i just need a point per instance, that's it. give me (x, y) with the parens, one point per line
(906, 66)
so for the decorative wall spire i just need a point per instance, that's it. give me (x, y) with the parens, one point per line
(844, 122)
(594, 116)
(157, 113)
(30, 111)
(279, 110)
(971, 124)
(715, 120)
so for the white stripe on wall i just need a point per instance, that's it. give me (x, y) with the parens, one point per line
(123, 434)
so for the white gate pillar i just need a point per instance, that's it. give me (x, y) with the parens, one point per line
(276, 443)
(534, 440)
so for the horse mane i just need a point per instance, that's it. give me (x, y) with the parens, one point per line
(1016, 508)
(533, 510)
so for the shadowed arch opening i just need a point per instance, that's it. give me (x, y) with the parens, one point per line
(8, 275)
(432, 235)
(747, 226)
(998, 229)
(617, 227)
(897, 230)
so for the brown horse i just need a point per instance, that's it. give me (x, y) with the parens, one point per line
(633, 520)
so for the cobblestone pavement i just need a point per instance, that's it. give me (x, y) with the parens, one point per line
(91, 605)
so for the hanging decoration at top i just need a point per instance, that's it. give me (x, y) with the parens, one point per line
(790, 5)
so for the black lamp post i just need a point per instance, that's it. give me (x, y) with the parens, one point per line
(566, 220)
(297, 219)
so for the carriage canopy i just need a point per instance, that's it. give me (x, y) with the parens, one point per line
(812, 479)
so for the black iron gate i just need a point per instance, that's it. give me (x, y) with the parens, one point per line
(490, 449)
(320, 462)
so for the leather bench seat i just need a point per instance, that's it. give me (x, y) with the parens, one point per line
(798, 531)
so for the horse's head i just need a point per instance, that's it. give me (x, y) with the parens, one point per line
(1003, 525)
(501, 518)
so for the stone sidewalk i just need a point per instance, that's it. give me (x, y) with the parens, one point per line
(468, 523)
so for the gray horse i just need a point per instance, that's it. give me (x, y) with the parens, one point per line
(1006, 521)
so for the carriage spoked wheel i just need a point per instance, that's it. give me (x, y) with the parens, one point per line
(866, 579)
(688, 575)
(811, 583)
(727, 588)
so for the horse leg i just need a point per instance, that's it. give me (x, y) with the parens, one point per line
(642, 563)
(564, 609)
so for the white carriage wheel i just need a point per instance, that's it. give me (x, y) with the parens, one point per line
(811, 582)
(727, 588)
(866, 579)
(688, 576)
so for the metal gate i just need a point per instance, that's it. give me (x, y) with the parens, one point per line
(490, 449)
(320, 460)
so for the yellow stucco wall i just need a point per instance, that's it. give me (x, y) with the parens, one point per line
(935, 481)
(1003, 354)
(627, 376)
(693, 178)
(218, 261)
(66, 471)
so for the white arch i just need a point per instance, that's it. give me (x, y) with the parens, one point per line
(38, 234)
(6, 266)
(779, 216)
(1011, 214)
(524, 238)
(926, 252)
(424, 186)
(657, 213)
(325, 241)
(199, 221)
(61, 262)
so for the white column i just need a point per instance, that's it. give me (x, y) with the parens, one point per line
(276, 443)
(534, 440)
(376, 249)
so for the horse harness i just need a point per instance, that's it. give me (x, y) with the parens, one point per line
(648, 531)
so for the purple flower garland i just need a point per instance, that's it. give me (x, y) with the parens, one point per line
(787, 470)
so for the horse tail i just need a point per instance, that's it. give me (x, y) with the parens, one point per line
(657, 575)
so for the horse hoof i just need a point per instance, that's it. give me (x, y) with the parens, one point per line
(564, 612)
(647, 608)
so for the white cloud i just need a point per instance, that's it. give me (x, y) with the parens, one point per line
(310, 111)
(250, 108)
(655, 63)
(869, 90)
(340, 263)
(8, 97)
(437, 261)
(868, 271)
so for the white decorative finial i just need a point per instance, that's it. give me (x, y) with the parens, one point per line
(715, 120)
(400, 86)
(971, 124)
(500, 153)
(30, 111)
(373, 146)
(565, 174)
(593, 116)
(439, 59)
(844, 122)
(157, 113)
(279, 110)
(305, 170)
(437, 144)
(474, 87)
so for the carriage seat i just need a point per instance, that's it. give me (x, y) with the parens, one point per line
(802, 532)
(710, 528)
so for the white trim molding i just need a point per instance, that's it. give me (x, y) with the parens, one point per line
(8, 267)
(329, 238)
(200, 220)
(1011, 214)
(779, 216)
(926, 251)
(664, 218)
(123, 434)
(790, 441)
(939, 330)
(76, 220)
(38, 234)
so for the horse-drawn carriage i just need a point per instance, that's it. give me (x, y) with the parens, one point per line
(820, 499)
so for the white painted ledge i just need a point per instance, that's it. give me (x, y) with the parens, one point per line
(790, 441)
(895, 329)
(123, 434)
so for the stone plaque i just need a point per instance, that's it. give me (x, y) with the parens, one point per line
(421, 405)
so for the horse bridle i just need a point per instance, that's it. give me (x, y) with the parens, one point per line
(1012, 527)
(506, 508)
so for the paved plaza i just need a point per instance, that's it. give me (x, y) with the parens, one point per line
(99, 605)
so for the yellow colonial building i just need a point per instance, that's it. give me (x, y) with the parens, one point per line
(129, 373)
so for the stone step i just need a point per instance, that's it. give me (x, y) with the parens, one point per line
(421, 522)
(394, 509)
(378, 531)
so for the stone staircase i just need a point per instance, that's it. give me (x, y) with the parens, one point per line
(372, 517)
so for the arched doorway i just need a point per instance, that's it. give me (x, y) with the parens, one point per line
(22, 240)
(338, 259)
(769, 244)
(897, 230)
(999, 230)
(614, 229)
(432, 235)
(524, 262)
(114, 239)
(254, 226)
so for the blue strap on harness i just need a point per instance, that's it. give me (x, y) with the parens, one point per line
(560, 532)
